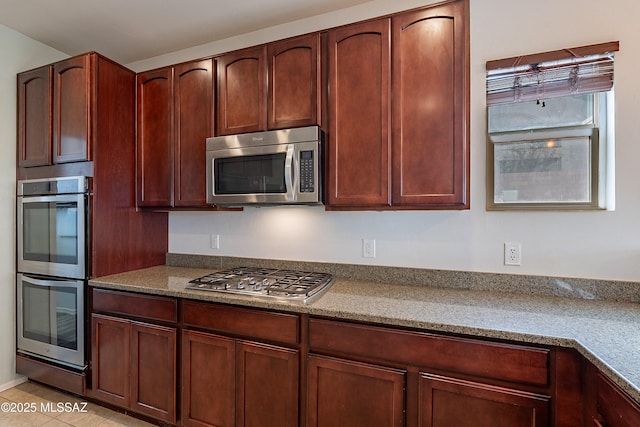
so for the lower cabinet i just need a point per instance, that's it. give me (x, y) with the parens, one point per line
(446, 402)
(134, 366)
(231, 382)
(348, 393)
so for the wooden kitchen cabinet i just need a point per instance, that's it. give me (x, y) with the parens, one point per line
(34, 117)
(436, 380)
(343, 392)
(175, 116)
(430, 109)
(256, 382)
(242, 91)
(606, 404)
(409, 151)
(133, 362)
(359, 150)
(72, 102)
(62, 108)
(273, 86)
(446, 402)
(294, 82)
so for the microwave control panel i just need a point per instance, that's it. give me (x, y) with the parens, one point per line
(306, 172)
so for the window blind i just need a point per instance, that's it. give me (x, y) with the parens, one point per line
(552, 74)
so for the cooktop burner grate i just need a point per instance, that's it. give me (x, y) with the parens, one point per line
(265, 282)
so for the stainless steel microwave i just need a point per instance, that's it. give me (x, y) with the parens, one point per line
(278, 167)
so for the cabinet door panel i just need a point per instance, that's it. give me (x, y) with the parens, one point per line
(446, 402)
(193, 106)
(345, 393)
(430, 144)
(208, 368)
(242, 80)
(267, 389)
(359, 143)
(34, 117)
(153, 377)
(110, 360)
(71, 106)
(294, 82)
(155, 133)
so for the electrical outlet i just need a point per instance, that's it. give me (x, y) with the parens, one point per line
(368, 248)
(215, 241)
(512, 253)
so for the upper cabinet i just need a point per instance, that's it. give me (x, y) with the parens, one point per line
(359, 105)
(175, 116)
(269, 87)
(409, 150)
(34, 117)
(242, 86)
(54, 107)
(294, 82)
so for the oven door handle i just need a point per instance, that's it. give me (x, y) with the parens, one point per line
(51, 282)
(290, 172)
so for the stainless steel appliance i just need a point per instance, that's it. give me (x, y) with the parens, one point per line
(51, 319)
(287, 285)
(52, 226)
(265, 168)
(53, 264)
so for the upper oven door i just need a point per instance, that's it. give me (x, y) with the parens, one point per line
(268, 174)
(51, 235)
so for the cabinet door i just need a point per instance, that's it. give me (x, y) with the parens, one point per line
(446, 402)
(430, 107)
(153, 374)
(208, 380)
(614, 405)
(154, 140)
(34, 117)
(294, 82)
(345, 393)
(110, 359)
(359, 142)
(72, 97)
(193, 107)
(267, 388)
(242, 84)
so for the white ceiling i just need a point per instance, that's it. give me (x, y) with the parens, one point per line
(131, 30)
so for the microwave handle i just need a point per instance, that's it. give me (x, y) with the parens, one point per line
(290, 169)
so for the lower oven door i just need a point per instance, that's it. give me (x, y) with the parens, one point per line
(51, 319)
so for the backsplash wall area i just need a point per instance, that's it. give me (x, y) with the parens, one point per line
(599, 245)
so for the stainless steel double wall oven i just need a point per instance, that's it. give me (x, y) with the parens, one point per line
(52, 265)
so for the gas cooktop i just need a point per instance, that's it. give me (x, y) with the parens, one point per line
(290, 285)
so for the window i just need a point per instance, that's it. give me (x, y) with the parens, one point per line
(550, 142)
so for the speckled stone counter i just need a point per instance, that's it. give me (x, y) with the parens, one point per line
(606, 332)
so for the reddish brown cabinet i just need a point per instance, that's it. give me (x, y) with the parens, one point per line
(349, 393)
(409, 151)
(271, 86)
(359, 167)
(446, 402)
(61, 109)
(175, 116)
(256, 383)
(294, 84)
(430, 109)
(430, 380)
(134, 362)
(242, 91)
(607, 405)
(72, 102)
(34, 117)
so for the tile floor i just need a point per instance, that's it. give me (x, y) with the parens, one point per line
(52, 408)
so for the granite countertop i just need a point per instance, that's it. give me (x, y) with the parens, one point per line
(607, 333)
